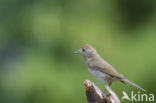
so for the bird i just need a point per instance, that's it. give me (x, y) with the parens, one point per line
(100, 68)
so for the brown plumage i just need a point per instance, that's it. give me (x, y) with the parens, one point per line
(101, 69)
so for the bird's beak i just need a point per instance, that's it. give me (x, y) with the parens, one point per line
(77, 52)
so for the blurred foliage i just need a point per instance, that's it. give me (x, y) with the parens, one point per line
(37, 38)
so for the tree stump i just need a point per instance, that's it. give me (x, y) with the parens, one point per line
(94, 95)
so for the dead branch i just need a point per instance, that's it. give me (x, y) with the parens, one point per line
(94, 95)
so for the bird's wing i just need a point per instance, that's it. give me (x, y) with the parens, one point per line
(105, 67)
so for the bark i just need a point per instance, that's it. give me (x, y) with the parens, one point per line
(94, 94)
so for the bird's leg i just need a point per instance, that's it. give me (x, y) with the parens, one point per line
(97, 84)
(109, 84)
(104, 91)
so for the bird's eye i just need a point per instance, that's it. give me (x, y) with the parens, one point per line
(83, 50)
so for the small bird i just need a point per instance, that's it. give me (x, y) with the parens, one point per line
(101, 69)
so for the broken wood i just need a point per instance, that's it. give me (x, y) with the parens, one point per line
(94, 94)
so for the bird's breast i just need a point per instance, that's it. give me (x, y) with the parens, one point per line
(98, 74)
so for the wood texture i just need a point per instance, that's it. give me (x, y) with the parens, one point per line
(94, 94)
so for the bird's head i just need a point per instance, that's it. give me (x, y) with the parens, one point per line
(87, 51)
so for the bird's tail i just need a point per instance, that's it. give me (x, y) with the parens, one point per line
(133, 84)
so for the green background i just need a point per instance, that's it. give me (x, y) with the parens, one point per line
(38, 37)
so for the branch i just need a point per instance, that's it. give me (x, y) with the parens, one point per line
(94, 95)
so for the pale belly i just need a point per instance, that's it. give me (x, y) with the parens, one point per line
(99, 75)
